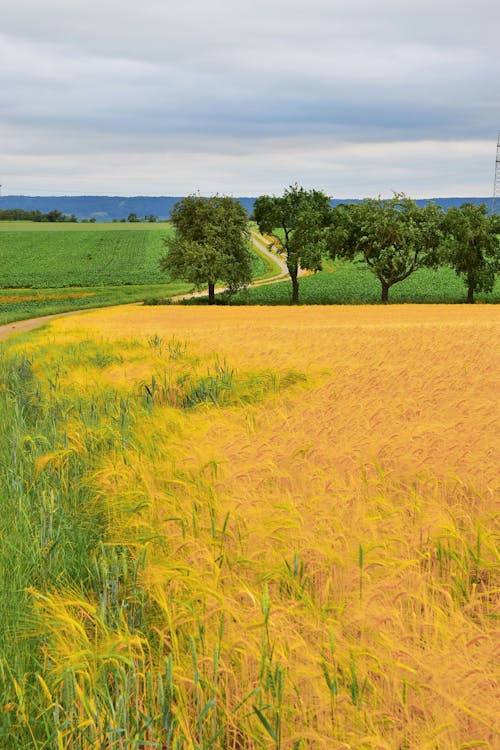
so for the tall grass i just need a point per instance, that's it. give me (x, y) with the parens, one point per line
(232, 529)
(22, 304)
(47, 532)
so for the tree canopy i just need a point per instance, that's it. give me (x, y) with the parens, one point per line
(210, 243)
(19, 214)
(472, 246)
(395, 236)
(296, 221)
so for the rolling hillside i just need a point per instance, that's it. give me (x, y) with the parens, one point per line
(108, 208)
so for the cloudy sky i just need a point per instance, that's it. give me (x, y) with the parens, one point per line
(354, 97)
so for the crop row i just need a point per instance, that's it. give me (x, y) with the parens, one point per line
(84, 258)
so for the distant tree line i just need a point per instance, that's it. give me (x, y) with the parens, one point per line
(19, 214)
(133, 218)
(392, 237)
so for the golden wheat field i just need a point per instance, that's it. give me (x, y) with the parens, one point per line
(308, 502)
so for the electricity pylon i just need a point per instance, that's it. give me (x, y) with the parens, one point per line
(495, 203)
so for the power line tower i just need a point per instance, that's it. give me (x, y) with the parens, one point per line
(495, 203)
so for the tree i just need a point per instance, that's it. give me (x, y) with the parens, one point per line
(210, 243)
(472, 246)
(133, 218)
(394, 236)
(495, 220)
(296, 221)
(54, 215)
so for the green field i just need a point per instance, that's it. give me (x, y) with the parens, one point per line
(61, 255)
(64, 227)
(345, 283)
(47, 269)
(21, 304)
(84, 255)
(59, 267)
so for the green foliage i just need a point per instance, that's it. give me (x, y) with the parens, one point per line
(210, 243)
(19, 214)
(395, 236)
(472, 247)
(296, 220)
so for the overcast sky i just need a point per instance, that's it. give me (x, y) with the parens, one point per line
(353, 97)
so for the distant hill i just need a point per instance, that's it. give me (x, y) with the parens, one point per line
(116, 207)
(99, 207)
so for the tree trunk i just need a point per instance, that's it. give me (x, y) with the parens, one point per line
(295, 287)
(211, 293)
(470, 292)
(385, 291)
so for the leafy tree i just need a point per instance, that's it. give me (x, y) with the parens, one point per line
(296, 221)
(210, 243)
(54, 216)
(472, 246)
(151, 218)
(394, 236)
(495, 220)
(133, 218)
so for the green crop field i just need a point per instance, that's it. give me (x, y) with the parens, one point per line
(60, 255)
(64, 227)
(39, 256)
(51, 268)
(346, 282)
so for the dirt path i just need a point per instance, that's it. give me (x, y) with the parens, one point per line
(31, 323)
(19, 326)
(262, 246)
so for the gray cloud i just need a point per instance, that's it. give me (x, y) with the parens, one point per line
(169, 80)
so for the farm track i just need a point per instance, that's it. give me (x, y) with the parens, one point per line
(31, 324)
(20, 326)
(262, 247)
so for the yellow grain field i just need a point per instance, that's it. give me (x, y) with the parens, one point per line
(310, 500)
